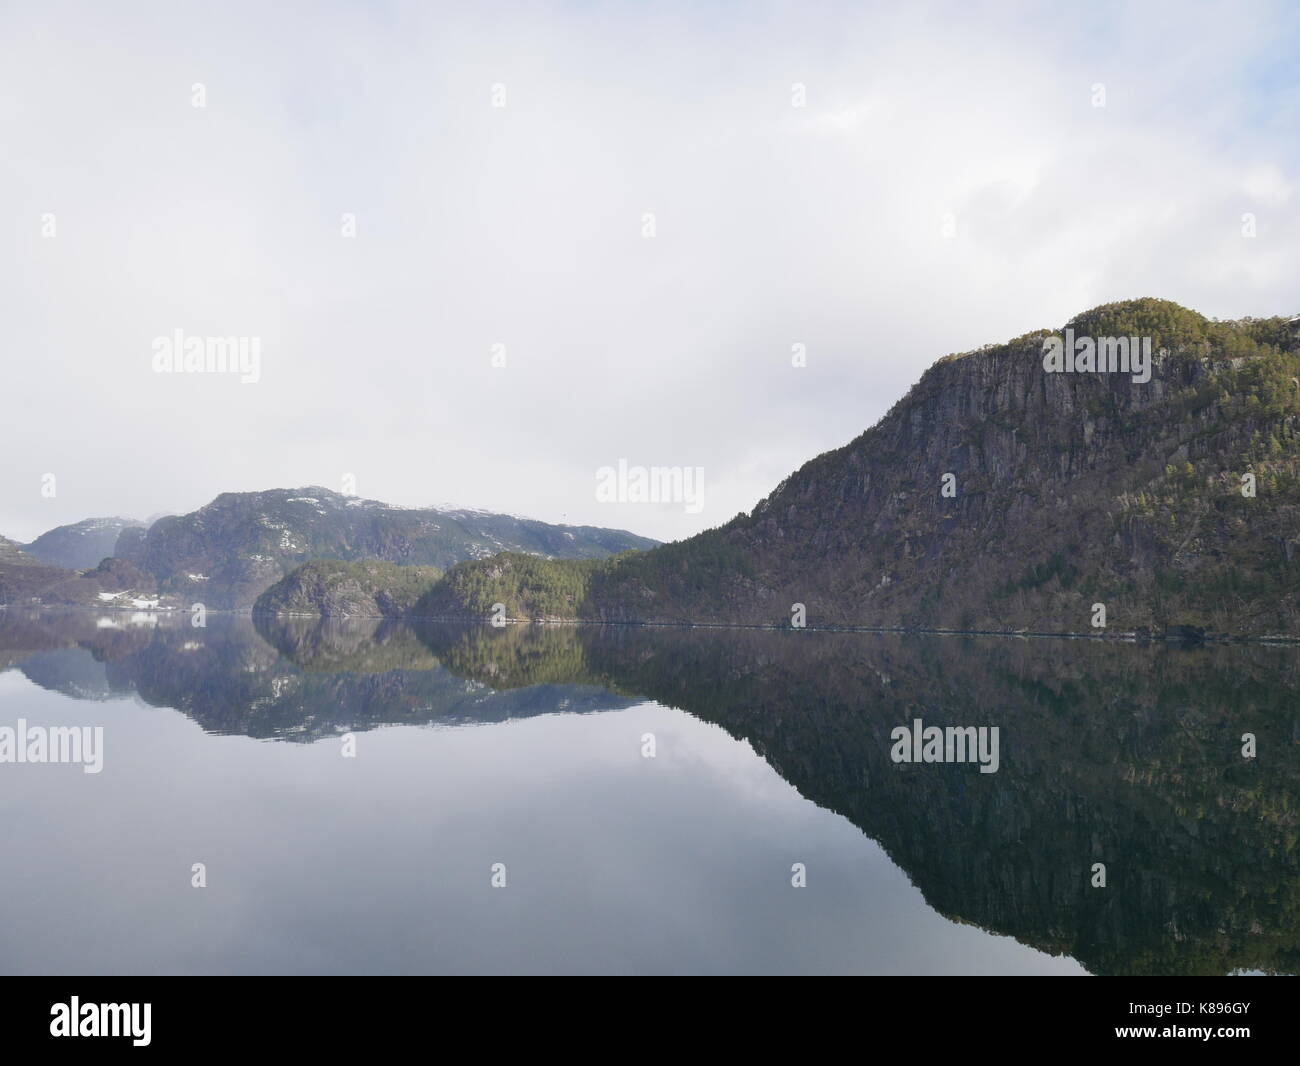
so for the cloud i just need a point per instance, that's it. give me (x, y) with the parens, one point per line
(522, 226)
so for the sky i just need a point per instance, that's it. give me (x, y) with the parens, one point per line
(488, 250)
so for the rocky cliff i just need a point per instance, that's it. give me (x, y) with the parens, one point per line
(370, 588)
(1000, 495)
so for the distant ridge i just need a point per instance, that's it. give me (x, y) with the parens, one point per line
(80, 545)
(228, 552)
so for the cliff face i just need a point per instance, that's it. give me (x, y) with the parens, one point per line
(1065, 490)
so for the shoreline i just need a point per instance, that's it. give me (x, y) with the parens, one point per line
(1125, 637)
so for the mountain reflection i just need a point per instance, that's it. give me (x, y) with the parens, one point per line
(1120, 754)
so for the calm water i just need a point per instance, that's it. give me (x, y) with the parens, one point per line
(525, 747)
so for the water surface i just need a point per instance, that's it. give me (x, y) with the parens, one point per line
(526, 747)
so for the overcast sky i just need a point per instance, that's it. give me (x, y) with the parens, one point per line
(524, 225)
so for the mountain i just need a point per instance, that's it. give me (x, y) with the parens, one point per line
(226, 553)
(82, 544)
(114, 583)
(12, 554)
(22, 577)
(997, 495)
(370, 588)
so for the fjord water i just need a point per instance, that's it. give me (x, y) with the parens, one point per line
(526, 746)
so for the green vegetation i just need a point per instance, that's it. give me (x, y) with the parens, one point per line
(702, 569)
(1040, 574)
(528, 587)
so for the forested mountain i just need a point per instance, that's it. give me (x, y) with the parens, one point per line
(226, 553)
(999, 495)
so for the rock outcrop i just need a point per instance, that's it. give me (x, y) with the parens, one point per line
(367, 589)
